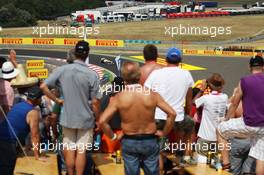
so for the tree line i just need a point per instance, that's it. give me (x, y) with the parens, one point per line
(23, 13)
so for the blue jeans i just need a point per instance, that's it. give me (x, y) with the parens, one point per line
(140, 153)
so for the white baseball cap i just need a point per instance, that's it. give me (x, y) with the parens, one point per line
(8, 71)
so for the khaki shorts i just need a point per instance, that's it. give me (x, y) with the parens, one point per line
(77, 139)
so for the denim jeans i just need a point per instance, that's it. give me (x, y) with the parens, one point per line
(239, 159)
(140, 154)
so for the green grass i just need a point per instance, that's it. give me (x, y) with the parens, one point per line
(241, 26)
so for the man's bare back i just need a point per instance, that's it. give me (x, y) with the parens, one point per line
(147, 69)
(137, 108)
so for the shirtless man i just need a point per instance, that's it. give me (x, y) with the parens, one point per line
(150, 55)
(136, 106)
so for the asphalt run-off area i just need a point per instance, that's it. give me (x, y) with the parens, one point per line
(231, 68)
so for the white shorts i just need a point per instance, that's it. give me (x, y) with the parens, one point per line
(237, 128)
(77, 139)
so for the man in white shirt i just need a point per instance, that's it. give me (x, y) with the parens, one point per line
(214, 109)
(175, 86)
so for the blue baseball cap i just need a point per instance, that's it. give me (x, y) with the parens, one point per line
(174, 55)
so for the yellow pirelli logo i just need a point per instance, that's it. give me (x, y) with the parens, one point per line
(35, 64)
(12, 41)
(42, 41)
(107, 43)
(39, 73)
(71, 41)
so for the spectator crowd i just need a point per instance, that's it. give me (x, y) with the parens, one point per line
(149, 112)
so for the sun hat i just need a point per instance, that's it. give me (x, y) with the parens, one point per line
(8, 71)
(21, 80)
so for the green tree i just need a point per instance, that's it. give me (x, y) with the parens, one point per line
(26, 12)
(10, 16)
(5, 15)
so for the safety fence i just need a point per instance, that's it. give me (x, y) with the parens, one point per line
(218, 53)
(60, 42)
(197, 14)
(213, 14)
(42, 42)
(142, 41)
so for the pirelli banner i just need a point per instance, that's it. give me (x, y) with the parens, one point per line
(36, 68)
(218, 53)
(61, 41)
(39, 73)
(35, 64)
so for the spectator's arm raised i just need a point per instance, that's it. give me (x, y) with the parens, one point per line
(12, 57)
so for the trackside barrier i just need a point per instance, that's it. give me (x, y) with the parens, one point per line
(197, 14)
(60, 42)
(218, 53)
(247, 12)
(143, 41)
(110, 43)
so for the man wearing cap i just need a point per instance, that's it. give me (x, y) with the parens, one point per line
(150, 53)
(20, 120)
(7, 73)
(79, 86)
(175, 86)
(251, 92)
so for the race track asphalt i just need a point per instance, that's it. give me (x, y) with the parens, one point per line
(231, 68)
